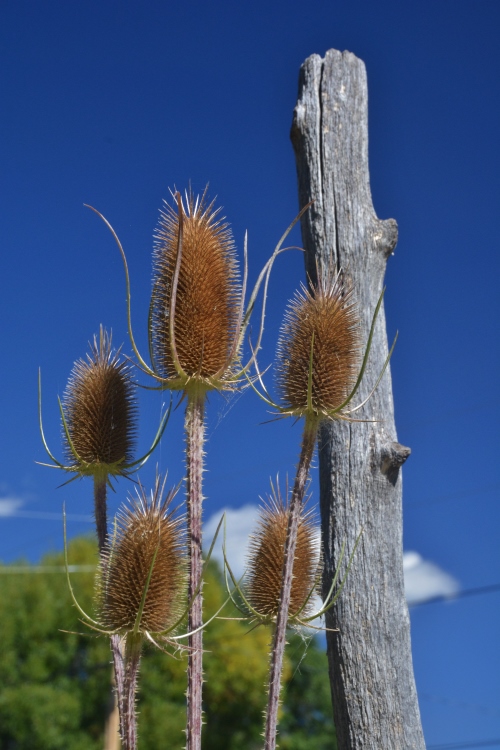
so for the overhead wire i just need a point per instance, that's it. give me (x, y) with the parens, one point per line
(478, 590)
(465, 745)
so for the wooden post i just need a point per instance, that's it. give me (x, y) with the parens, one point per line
(371, 673)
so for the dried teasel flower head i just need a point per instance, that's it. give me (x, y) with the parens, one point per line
(198, 318)
(320, 366)
(100, 412)
(99, 416)
(143, 572)
(319, 350)
(266, 560)
(197, 299)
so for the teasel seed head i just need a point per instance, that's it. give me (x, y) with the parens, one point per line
(207, 293)
(319, 350)
(100, 412)
(149, 544)
(267, 555)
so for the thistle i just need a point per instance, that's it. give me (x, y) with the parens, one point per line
(140, 588)
(99, 420)
(258, 599)
(143, 568)
(197, 317)
(99, 413)
(266, 556)
(318, 352)
(317, 359)
(194, 344)
(196, 329)
(196, 302)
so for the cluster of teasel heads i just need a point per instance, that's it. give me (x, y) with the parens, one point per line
(151, 568)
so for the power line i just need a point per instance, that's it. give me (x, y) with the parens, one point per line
(459, 595)
(445, 416)
(464, 705)
(483, 490)
(8, 569)
(47, 516)
(465, 745)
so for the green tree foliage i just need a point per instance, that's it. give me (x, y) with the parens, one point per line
(55, 675)
(306, 721)
(54, 686)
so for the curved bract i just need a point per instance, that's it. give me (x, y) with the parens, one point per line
(198, 318)
(196, 329)
(100, 408)
(319, 339)
(194, 336)
(257, 594)
(143, 569)
(99, 416)
(141, 580)
(319, 355)
(267, 554)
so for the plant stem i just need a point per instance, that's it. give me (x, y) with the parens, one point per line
(100, 492)
(128, 718)
(279, 637)
(119, 665)
(195, 433)
(101, 520)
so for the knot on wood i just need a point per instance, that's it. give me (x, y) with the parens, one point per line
(393, 455)
(385, 236)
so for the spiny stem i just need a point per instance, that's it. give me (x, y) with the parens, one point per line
(195, 432)
(128, 719)
(101, 520)
(100, 492)
(119, 665)
(279, 638)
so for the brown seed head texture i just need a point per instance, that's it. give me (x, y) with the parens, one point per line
(267, 555)
(326, 319)
(100, 407)
(143, 529)
(208, 293)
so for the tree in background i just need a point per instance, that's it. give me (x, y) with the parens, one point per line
(53, 684)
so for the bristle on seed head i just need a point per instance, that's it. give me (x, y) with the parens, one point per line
(147, 531)
(267, 555)
(100, 411)
(319, 350)
(207, 292)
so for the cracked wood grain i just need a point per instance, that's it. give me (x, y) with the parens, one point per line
(370, 664)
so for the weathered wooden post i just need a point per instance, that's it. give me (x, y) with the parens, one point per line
(371, 673)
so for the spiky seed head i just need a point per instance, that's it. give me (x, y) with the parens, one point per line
(145, 528)
(319, 336)
(100, 410)
(266, 559)
(207, 296)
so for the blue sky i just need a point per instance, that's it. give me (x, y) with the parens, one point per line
(112, 104)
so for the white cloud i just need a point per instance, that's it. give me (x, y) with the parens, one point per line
(424, 579)
(9, 506)
(239, 523)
